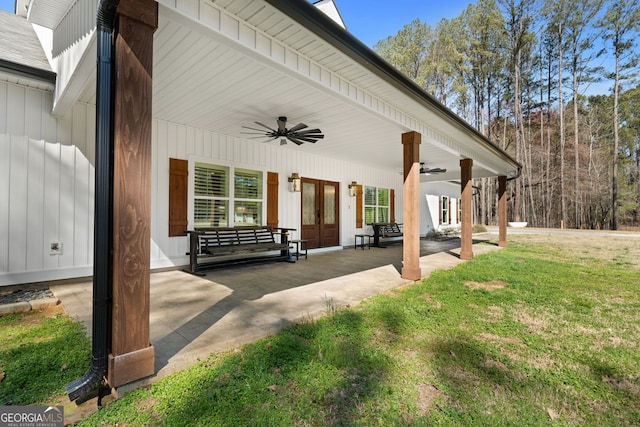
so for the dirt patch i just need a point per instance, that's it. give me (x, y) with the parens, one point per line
(632, 387)
(536, 323)
(489, 286)
(428, 398)
(486, 336)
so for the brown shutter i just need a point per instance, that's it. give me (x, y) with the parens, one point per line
(392, 206)
(178, 188)
(359, 216)
(272, 199)
(440, 210)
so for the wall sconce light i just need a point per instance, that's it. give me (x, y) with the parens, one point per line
(353, 189)
(296, 182)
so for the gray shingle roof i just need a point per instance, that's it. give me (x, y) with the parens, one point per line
(19, 43)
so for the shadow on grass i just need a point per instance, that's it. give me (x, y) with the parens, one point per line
(310, 375)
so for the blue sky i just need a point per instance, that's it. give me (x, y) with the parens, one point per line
(371, 21)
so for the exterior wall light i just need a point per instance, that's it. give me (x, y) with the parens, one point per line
(353, 189)
(296, 182)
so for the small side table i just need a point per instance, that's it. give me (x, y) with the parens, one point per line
(301, 245)
(361, 237)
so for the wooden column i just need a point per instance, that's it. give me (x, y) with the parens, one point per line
(411, 228)
(132, 355)
(502, 211)
(466, 249)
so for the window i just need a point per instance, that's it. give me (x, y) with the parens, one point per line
(376, 205)
(444, 210)
(216, 195)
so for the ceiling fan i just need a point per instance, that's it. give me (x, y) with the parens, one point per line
(430, 171)
(296, 134)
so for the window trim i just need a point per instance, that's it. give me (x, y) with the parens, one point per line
(376, 206)
(231, 198)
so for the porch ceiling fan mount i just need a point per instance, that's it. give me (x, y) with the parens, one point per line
(299, 134)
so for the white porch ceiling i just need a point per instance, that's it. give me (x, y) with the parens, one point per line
(209, 83)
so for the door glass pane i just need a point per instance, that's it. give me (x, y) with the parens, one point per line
(308, 203)
(329, 204)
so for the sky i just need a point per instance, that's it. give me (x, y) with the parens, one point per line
(372, 21)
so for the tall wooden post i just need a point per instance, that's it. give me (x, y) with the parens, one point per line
(411, 228)
(132, 355)
(466, 248)
(502, 211)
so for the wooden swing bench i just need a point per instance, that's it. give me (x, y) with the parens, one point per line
(205, 244)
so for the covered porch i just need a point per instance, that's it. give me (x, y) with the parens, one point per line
(187, 79)
(192, 317)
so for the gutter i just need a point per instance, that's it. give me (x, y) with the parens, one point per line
(84, 387)
(313, 19)
(28, 71)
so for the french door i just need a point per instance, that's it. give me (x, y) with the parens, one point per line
(320, 213)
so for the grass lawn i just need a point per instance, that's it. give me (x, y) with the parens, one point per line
(544, 332)
(39, 353)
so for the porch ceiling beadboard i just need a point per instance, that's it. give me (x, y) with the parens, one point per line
(222, 65)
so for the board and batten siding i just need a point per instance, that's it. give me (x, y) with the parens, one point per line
(46, 187)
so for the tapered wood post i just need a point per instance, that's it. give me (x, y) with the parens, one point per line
(466, 237)
(502, 211)
(411, 228)
(132, 355)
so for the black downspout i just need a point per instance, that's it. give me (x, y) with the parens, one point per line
(103, 218)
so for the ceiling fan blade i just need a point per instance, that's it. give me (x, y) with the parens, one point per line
(298, 127)
(295, 140)
(312, 135)
(302, 138)
(256, 129)
(311, 131)
(265, 126)
(282, 124)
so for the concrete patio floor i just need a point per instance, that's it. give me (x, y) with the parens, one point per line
(192, 316)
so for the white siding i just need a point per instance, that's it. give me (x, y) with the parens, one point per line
(46, 187)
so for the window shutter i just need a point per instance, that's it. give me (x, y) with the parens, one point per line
(272, 199)
(392, 205)
(440, 210)
(449, 210)
(178, 187)
(359, 206)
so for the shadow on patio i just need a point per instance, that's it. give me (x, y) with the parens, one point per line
(192, 316)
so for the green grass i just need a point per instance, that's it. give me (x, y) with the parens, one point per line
(523, 336)
(38, 355)
(532, 335)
